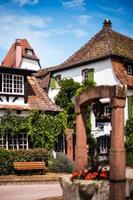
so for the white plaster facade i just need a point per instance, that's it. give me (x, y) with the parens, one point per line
(103, 75)
(30, 64)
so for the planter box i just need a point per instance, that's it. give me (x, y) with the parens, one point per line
(89, 189)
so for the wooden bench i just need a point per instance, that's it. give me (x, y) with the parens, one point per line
(30, 166)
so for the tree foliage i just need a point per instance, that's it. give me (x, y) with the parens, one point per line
(65, 98)
(69, 89)
(84, 86)
(129, 134)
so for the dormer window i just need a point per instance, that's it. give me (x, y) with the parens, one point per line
(130, 70)
(29, 52)
(11, 84)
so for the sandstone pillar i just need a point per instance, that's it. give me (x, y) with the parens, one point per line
(117, 150)
(69, 139)
(81, 142)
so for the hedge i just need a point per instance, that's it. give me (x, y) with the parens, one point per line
(7, 157)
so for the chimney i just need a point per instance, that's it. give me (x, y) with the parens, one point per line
(18, 50)
(107, 23)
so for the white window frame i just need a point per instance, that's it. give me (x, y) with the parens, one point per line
(24, 141)
(3, 142)
(13, 88)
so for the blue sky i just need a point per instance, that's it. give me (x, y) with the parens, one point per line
(57, 28)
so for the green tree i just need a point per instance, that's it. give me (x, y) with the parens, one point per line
(65, 99)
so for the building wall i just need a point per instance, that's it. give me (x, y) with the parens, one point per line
(103, 74)
(30, 64)
(14, 112)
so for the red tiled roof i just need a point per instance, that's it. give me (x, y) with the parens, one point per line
(121, 73)
(9, 60)
(43, 77)
(38, 99)
(105, 43)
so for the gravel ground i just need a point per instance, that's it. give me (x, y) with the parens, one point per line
(30, 191)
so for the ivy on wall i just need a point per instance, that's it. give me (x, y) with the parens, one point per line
(43, 129)
(13, 124)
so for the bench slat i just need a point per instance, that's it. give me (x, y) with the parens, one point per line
(29, 165)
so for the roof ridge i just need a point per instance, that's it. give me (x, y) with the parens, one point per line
(108, 39)
(130, 38)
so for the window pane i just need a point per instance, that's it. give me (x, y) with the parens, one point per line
(23, 140)
(11, 83)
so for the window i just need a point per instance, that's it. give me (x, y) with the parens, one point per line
(103, 145)
(10, 141)
(23, 140)
(58, 78)
(3, 142)
(130, 69)
(88, 74)
(85, 74)
(11, 84)
(107, 110)
(29, 52)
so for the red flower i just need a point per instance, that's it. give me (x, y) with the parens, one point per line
(90, 174)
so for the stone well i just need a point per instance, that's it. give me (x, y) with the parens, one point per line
(89, 189)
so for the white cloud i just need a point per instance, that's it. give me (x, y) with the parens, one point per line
(37, 31)
(111, 9)
(25, 21)
(79, 33)
(25, 2)
(83, 19)
(75, 4)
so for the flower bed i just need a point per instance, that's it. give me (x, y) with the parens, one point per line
(95, 173)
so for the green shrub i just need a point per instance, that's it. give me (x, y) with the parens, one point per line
(61, 164)
(7, 157)
(5, 162)
(38, 154)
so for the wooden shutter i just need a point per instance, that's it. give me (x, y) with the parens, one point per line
(53, 83)
(130, 106)
(91, 74)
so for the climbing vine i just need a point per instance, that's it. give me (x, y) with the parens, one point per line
(43, 129)
(13, 124)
